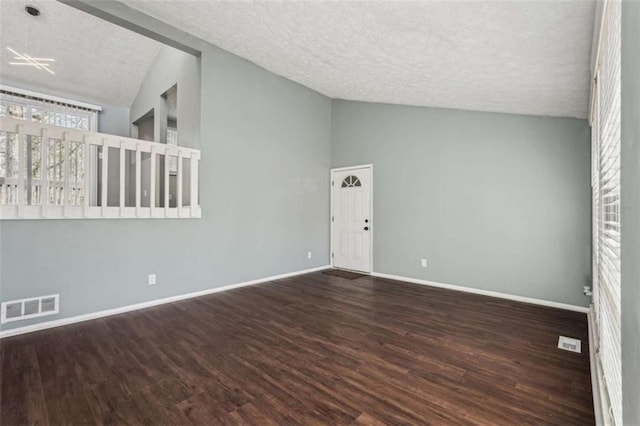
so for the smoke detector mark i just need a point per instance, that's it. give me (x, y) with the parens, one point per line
(569, 344)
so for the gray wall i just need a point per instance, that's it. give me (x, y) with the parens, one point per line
(264, 194)
(146, 128)
(630, 186)
(493, 201)
(266, 154)
(114, 120)
(171, 67)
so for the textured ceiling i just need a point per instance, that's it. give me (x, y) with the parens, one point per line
(514, 56)
(96, 61)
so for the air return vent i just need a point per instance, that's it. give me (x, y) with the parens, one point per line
(29, 308)
(569, 344)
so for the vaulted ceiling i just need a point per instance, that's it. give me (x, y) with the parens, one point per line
(95, 61)
(525, 57)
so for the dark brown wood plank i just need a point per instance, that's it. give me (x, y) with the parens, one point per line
(312, 349)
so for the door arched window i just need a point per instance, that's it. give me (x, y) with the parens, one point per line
(350, 182)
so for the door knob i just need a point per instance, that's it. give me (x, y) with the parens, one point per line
(366, 228)
(366, 221)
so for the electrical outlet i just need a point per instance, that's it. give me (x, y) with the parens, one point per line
(309, 255)
(152, 279)
(423, 263)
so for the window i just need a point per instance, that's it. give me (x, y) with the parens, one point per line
(605, 121)
(23, 105)
(350, 182)
(32, 108)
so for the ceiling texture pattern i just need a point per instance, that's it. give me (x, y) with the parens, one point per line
(523, 57)
(95, 61)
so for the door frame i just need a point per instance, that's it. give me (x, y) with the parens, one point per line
(371, 221)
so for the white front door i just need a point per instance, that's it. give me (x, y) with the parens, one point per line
(351, 216)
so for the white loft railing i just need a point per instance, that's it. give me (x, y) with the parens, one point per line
(50, 172)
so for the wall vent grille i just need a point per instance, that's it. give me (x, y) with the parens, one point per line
(569, 344)
(32, 307)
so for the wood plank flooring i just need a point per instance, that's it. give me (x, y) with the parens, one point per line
(312, 349)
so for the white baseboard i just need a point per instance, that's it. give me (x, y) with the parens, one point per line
(485, 292)
(135, 307)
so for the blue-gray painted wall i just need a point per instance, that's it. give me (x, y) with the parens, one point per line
(265, 145)
(493, 201)
(114, 120)
(172, 67)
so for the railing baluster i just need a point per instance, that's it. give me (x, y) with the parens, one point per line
(138, 178)
(152, 181)
(194, 183)
(28, 171)
(21, 192)
(86, 175)
(179, 184)
(44, 174)
(166, 182)
(105, 176)
(66, 188)
(122, 176)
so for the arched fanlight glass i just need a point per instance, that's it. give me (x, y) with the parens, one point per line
(350, 182)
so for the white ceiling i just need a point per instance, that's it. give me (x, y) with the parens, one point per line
(96, 61)
(514, 56)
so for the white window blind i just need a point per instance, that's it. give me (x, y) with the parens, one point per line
(605, 118)
(27, 107)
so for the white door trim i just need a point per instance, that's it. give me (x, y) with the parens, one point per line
(371, 220)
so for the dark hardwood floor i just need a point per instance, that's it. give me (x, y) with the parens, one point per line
(313, 349)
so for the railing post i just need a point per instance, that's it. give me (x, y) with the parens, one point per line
(122, 176)
(152, 181)
(179, 185)
(105, 176)
(193, 182)
(138, 178)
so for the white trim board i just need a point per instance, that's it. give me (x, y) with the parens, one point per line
(361, 166)
(490, 293)
(143, 305)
